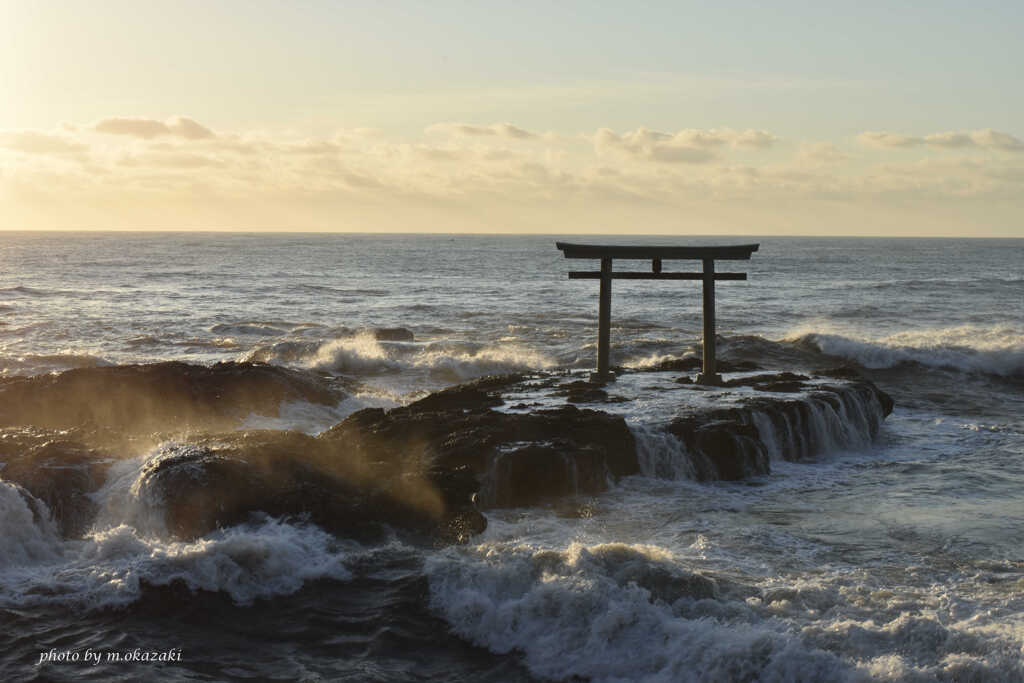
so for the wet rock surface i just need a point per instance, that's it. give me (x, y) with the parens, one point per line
(425, 469)
(157, 397)
(735, 443)
(58, 469)
(223, 480)
(519, 459)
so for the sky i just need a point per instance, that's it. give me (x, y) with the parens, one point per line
(753, 118)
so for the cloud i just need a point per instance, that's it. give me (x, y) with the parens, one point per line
(690, 145)
(986, 138)
(686, 147)
(171, 160)
(147, 129)
(883, 139)
(438, 153)
(758, 139)
(994, 138)
(158, 166)
(505, 130)
(42, 144)
(311, 147)
(949, 140)
(820, 153)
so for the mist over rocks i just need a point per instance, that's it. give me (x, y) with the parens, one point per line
(205, 482)
(58, 469)
(157, 397)
(519, 459)
(222, 480)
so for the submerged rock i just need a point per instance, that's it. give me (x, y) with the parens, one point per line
(158, 396)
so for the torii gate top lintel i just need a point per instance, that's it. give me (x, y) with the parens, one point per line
(656, 254)
(732, 252)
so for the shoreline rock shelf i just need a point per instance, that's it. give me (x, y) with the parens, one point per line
(429, 468)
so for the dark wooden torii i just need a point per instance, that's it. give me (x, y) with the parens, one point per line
(656, 254)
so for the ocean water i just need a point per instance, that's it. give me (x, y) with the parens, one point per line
(900, 558)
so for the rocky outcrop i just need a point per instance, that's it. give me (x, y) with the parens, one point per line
(739, 442)
(58, 469)
(519, 459)
(157, 397)
(423, 469)
(217, 480)
(222, 480)
(394, 334)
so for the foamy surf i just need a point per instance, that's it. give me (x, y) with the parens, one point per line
(111, 565)
(618, 612)
(446, 361)
(996, 350)
(33, 364)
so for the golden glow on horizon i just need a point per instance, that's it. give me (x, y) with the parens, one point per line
(177, 173)
(369, 117)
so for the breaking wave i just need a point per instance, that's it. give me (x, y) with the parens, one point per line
(995, 350)
(364, 354)
(37, 364)
(125, 551)
(616, 611)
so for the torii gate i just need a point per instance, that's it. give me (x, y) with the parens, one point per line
(656, 254)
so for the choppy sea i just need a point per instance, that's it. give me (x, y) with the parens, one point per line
(900, 560)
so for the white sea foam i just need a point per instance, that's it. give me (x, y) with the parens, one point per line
(128, 546)
(615, 612)
(27, 533)
(996, 349)
(248, 562)
(363, 354)
(661, 454)
(590, 612)
(643, 362)
(311, 418)
(37, 364)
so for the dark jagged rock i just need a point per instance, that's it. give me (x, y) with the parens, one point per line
(782, 382)
(480, 393)
(519, 458)
(724, 448)
(415, 468)
(728, 443)
(399, 334)
(159, 396)
(58, 470)
(583, 392)
(223, 480)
